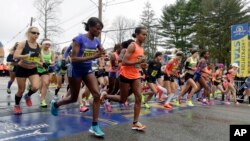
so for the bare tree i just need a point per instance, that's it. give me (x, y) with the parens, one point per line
(122, 29)
(48, 19)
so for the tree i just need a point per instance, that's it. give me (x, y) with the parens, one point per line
(48, 18)
(122, 29)
(150, 22)
(176, 25)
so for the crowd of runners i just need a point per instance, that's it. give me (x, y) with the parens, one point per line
(126, 70)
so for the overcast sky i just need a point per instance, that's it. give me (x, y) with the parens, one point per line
(15, 16)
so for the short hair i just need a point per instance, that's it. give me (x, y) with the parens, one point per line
(158, 54)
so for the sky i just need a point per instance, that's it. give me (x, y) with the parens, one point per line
(16, 14)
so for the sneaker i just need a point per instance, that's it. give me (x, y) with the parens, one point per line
(56, 97)
(103, 95)
(138, 126)
(17, 110)
(142, 98)
(190, 103)
(28, 100)
(168, 106)
(126, 104)
(8, 91)
(204, 101)
(87, 103)
(83, 108)
(227, 103)
(146, 105)
(176, 103)
(96, 130)
(237, 103)
(43, 104)
(53, 109)
(107, 106)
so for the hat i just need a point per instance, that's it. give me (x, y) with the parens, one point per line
(220, 65)
(235, 65)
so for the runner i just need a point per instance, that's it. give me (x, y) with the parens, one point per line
(201, 80)
(28, 52)
(171, 73)
(12, 67)
(247, 88)
(230, 76)
(44, 71)
(84, 49)
(190, 67)
(153, 73)
(129, 75)
(61, 68)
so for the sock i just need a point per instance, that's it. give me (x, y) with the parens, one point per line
(223, 97)
(94, 123)
(30, 92)
(9, 84)
(57, 90)
(17, 100)
(170, 96)
(162, 89)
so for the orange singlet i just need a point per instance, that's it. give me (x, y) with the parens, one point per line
(133, 72)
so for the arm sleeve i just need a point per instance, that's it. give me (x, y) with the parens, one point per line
(66, 53)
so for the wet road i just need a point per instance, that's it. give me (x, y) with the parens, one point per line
(199, 123)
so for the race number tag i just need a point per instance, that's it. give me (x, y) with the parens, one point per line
(89, 52)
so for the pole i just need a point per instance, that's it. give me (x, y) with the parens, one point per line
(31, 21)
(100, 14)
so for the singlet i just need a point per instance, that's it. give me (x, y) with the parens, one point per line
(47, 57)
(28, 50)
(87, 48)
(154, 69)
(172, 66)
(111, 69)
(193, 63)
(132, 71)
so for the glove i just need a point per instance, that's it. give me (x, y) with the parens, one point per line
(34, 54)
(46, 65)
(63, 65)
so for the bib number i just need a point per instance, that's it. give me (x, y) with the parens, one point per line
(89, 52)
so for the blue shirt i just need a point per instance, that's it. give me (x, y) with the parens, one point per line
(87, 48)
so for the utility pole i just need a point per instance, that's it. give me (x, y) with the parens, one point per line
(31, 21)
(100, 4)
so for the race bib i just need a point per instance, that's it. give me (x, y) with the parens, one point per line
(32, 60)
(154, 73)
(89, 52)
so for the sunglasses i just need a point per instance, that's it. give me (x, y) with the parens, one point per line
(37, 33)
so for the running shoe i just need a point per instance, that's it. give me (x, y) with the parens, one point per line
(107, 106)
(204, 101)
(237, 103)
(28, 100)
(56, 97)
(17, 110)
(168, 106)
(87, 103)
(142, 98)
(96, 130)
(103, 95)
(176, 103)
(83, 108)
(44, 104)
(227, 103)
(8, 91)
(126, 104)
(146, 105)
(138, 126)
(53, 109)
(190, 103)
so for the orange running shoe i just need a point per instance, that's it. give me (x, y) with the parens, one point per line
(168, 106)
